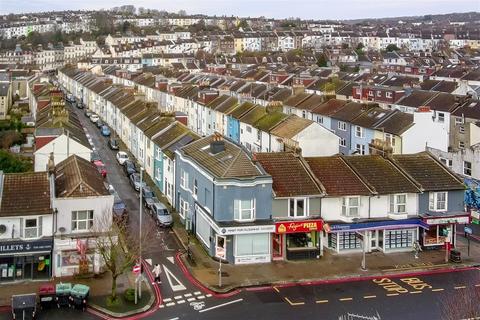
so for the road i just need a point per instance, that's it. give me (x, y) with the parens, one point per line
(412, 297)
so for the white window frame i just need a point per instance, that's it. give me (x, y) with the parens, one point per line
(359, 132)
(395, 204)
(461, 129)
(184, 208)
(458, 120)
(347, 206)
(184, 180)
(320, 119)
(390, 138)
(239, 211)
(294, 214)
(342, 126)
(158, 175)
(88, 221)
(342, 142)
(433, 204)
(468, 168)
(360, 148)
(388, 94)
(447, 162)
(195, 188)
(27, 230)
(461, 144)
(441, 117)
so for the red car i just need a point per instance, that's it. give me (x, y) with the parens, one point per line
(101, 168)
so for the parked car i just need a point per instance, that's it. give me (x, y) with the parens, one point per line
(80, 105)
(147, 196)
(94, 118)
(94, 156)
(87, 113)
(99, 124)
(113, 144)
(70, 97)
(122, 156)
(101, 168)
(105, 131)
(163, 218)
(135, 181)
(120, 214)
(129, 167)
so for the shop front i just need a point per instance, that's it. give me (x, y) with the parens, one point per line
(386, 235)
(296, 240)
(25, 260)
(442, 229)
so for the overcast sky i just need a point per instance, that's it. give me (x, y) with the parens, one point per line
(310, 9)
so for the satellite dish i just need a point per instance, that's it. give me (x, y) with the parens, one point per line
(62, 229)
(234, 60)
(3, 228)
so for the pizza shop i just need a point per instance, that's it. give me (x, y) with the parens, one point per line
(442, 229)
(25, 260)
(297, 240)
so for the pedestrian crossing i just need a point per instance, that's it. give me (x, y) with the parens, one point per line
(184, 298)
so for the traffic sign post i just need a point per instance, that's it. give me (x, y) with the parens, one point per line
(362, 239)
(136, 270)
(220, 253)
(468, 232)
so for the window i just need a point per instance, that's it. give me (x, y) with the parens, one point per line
(398, 203)
(202, 228)
(158, 153)
(297, 207)
(379, 94)
(249, 129)
(461, 129)
(252, 244)
(158, 174)
(441, 117)
(389, 139)
(184, 179)
(244, 210)
(342, 126)
(304, 114)
(82, 220)
(343, 142)
(259, 135)
(360, 148)
(461, 145)
(184, 206)
(437, 201)
(399, 238)
(358, 132)
(32, 228)
(195, 187)
(350, 206)
(370, 93)
(467, 168)
(447, 162)
(458, 121)
(169, 164)
(320, 119)
(388, 95)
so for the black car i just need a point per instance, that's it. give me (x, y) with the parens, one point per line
(99, 124)
(147, 195)
(129, 167)
(87, 113)
(113, 144)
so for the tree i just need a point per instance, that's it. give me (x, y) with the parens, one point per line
(322, 60)
(10, 137)
(119, 247)
(10, 163)
(392, 47)
(243, 24)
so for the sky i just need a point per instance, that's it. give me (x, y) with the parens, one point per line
(305, 9)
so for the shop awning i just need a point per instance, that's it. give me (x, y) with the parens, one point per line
(379, 225)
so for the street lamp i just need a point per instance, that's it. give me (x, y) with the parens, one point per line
(140, 234)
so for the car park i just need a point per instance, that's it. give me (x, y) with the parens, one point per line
(135, 181)
(129, 167)
(122, 156)
(101, 168)
(105, 131)
(94, 118)
(162, 216)
(113, 144)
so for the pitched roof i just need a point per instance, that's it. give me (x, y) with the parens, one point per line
(291, 126)
(290, 176)
(233, 162)
(381, 174)
(428, 172)
(77, 177)
(337, 177)
(25, 194)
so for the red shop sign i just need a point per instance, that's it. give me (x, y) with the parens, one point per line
(298, 226)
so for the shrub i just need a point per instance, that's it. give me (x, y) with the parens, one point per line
(113, 302)
(129, 295)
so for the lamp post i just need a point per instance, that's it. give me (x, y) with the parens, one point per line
(140, 234)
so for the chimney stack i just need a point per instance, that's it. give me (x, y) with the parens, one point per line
(51, 164)
(218, 144)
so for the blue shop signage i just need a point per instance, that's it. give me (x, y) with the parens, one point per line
(377, 225)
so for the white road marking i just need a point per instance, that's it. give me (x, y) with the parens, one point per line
(171, 259)
(162, 306)
(177, 287)
(187, 295)
(197, 293)
(209, 295)
(177, 297)
(180, 301)
(170, 304)
(149, 261)
(201, 297)
(176, 318)
(167, 300)
(220, 305)
(190, 299)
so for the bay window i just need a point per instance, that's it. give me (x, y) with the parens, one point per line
(244, 210)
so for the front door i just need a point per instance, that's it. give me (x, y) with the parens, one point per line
(277, 246)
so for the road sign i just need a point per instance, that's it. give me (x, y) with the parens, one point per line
(136, 269)
(468, 230)
(220, 250)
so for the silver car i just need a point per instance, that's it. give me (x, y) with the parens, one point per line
(162, 215)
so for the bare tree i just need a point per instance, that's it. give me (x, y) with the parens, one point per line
(463, 304)
(119, 247)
